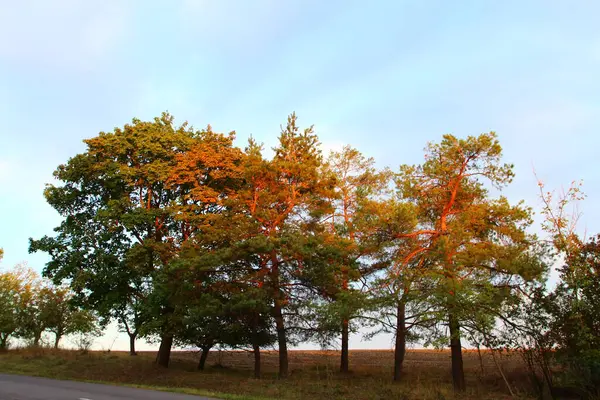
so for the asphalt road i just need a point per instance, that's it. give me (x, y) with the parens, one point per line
(18, 387)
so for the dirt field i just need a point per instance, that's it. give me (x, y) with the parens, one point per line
(313, 373)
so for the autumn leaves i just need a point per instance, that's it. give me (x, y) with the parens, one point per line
(181, 235)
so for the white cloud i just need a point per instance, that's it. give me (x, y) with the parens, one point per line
(66, 34)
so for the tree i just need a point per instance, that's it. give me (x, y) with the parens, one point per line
(130, 203)
(400, 298)
(17, 287)
(399, 292)
(34, 313)
(469, 240)
(132, 317)
(576, 318)
(93, 258)
(208, 176)
(226, 306)
(573, 307)
(252, 325)
(115, 202)
(204, 328)
(205, 323)
(356, 196)
(62, 318)
(230, 312)
(232, 304)
(9, 299)
(280, 197)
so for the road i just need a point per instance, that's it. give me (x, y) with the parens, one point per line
(18, 387)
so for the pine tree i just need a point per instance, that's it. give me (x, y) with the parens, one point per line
(356, 196)
(469, 240)
(279, 199)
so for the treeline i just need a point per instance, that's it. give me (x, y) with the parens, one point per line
(31, 307)
(186, 239)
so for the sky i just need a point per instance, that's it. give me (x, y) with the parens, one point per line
(383, 76)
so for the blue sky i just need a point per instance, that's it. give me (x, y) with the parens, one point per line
(383, 76)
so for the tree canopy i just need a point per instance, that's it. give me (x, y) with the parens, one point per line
(186, 239)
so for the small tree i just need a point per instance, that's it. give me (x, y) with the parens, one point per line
(9, 311)
(573, 307)
(17, 288)
(35, 314)
(400, 307)
(62, 318)
(204, 323)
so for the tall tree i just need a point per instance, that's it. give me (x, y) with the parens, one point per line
(114, 201)
(400, 288)
(469, 239)
(208, 177)
(126, 205)
(400, 294)
(280, 197)
(357, 195)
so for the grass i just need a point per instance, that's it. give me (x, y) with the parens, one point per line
(313, 374)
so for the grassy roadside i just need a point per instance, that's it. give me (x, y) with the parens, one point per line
(64, 365)
(314, 380)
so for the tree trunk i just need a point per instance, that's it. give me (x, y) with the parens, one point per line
(57, 340)
(480, 358)
(256, 350)
(458, 375)
(164, 351)
(132, 351)
(400, 348)
(278, 315)
(203, 358)
(36, 339)
(3, 342)
(501, 372)
(344, 363)
(281, 340)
